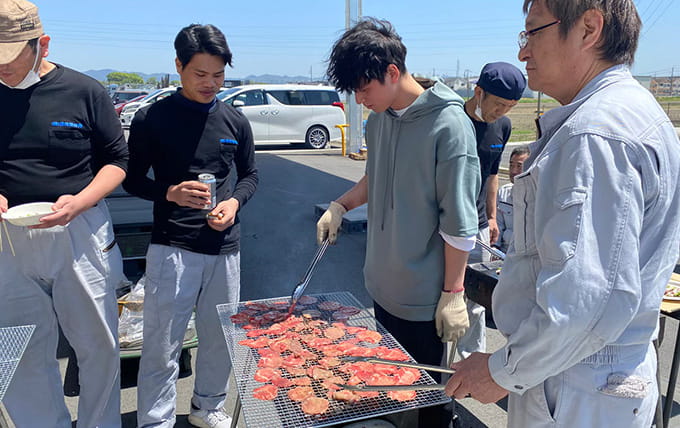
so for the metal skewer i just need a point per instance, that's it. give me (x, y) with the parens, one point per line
(436, 387)
(494, 251)
(427, 367)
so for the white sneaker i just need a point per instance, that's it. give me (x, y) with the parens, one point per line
(209, 418)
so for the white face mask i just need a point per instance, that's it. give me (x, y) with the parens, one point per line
(478, 109)
(31, 78)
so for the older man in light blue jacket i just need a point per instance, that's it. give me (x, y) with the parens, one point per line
(596, 232)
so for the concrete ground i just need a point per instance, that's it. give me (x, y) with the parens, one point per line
(277, 244)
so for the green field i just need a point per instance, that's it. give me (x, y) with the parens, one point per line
(523, 115)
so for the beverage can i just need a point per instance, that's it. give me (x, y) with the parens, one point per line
(209, 179)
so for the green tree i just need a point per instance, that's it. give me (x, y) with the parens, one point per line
(151, 81)
(121, 78)
(174, 83)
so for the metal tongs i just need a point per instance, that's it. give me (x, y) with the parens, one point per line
(494, 251)
(300, 287)
(427, 367)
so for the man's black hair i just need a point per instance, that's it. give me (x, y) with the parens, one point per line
(363, 54)
(520, 151)
(197, 38)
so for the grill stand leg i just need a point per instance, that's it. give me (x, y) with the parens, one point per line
(3, 420)
(668, 403)
(237, 412)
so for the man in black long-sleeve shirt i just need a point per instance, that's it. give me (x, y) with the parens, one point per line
(60, 142)
(193, 259)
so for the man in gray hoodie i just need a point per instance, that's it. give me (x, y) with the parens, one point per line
(421, 183)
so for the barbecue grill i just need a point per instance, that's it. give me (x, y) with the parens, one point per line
(13, 341)
(283, 412)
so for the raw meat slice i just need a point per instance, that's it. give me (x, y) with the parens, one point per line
(329, 305)
(296, 371)
(307, 300)
(354, 330)
(385, 369)
(334, 333)
(256, 333)
(293, 361)
(266, 374)
(311, 313)
(346, 395)
(340, 316)
(266, 392)
(318, 373)
(395, 354)
(401, 395)
(301, 381)
(367, 394)
(349, 310)
(329, 362)
(407, 376)
(360, 351)
(369, 336)
(281, 382)
(314, 405)
(273, 362)
(300, 393)
(380, 379)
(258, 306)
(332, 383)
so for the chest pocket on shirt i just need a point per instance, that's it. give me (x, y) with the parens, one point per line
(559, 240)
(524, 207)
(67, 147)
(228, 152)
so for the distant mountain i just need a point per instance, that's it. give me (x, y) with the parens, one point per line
(101, 74)
(262, 78)
(274, 78)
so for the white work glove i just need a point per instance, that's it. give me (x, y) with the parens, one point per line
(329, 223)
(451, 317)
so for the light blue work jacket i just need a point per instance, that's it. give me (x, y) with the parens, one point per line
(596, 227)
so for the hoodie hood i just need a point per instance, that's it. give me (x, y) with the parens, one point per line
(433, 99)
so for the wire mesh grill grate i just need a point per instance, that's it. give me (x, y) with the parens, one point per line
(13, 341)
(283, 412)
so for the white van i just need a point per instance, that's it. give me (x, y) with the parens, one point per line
(289, 113)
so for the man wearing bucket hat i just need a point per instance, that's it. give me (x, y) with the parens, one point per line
(499, 87)
(60, 141)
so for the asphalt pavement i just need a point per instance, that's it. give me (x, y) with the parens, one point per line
(277, 244)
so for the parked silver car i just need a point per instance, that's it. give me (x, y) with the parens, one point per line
(130, 109)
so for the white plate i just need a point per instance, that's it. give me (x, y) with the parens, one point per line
(28, 214)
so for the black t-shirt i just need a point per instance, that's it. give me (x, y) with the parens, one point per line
(180, 139)
(55, 136)
(491, 140)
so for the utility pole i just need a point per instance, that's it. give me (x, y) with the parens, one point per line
(672, 70)
(354, 111)
(466, 76)
(457, 68)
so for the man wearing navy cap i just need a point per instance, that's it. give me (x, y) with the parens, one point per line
(499, 87)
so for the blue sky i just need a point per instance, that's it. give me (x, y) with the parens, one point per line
(293, 37)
